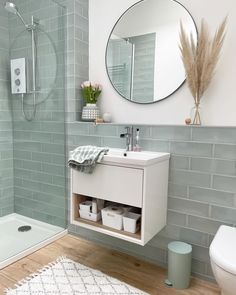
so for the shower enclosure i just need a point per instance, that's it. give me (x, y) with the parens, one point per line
(32, 126)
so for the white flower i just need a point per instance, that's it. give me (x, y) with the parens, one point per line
(86, 84)
(98, 86)
(93, 85)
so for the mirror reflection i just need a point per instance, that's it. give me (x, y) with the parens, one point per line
(143, 58)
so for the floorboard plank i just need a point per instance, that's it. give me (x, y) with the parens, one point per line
(141, 274)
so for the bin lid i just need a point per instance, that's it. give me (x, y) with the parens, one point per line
(180, 247)
(222, 248)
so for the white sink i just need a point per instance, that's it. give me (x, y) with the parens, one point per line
(143, 158)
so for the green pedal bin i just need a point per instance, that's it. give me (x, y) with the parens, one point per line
(179, 265)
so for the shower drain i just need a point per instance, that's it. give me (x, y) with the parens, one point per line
(24, 228)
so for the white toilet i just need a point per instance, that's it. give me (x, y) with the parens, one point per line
(223, 259)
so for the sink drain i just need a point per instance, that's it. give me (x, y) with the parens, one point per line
(24, 228)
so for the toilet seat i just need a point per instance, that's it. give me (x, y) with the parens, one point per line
(223, 249)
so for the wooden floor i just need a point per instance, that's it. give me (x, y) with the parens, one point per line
(143, 275)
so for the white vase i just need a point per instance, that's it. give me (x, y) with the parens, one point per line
(90, 112)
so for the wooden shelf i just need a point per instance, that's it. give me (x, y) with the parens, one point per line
(99, 225)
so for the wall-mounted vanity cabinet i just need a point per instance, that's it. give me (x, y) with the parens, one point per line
(137, 180)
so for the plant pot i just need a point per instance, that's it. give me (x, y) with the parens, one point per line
(90, 112)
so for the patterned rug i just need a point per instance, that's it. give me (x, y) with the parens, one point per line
(65, 277)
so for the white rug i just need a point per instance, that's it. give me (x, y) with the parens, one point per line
(66, 277)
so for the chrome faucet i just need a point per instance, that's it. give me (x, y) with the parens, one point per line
(129, 138)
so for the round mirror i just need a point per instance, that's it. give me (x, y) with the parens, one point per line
(143, 58)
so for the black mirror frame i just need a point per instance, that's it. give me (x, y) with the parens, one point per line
(106, 66)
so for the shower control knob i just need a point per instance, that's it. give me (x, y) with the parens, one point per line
(17, 82)
(17, 71)
(18, 76)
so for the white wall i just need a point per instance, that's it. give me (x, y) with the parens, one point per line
(219, 101)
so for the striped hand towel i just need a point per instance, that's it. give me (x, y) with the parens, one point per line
(84, 158)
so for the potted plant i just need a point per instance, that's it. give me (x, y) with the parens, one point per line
(90, 93)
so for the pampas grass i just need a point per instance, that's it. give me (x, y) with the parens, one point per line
(200, 59)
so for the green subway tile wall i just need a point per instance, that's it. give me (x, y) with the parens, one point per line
(77, 56)
(144, 66)
(202, 185)
(39, 146)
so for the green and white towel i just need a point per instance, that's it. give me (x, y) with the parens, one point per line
(85, 158)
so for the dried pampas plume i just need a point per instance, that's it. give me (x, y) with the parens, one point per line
(200, 58)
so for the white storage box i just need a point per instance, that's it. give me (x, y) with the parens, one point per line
(131, 222)
(86, 206)
(112, 216)
(90, 216)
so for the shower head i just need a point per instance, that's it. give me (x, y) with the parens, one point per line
(12, 8)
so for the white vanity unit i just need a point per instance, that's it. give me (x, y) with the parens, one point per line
(137, 179)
